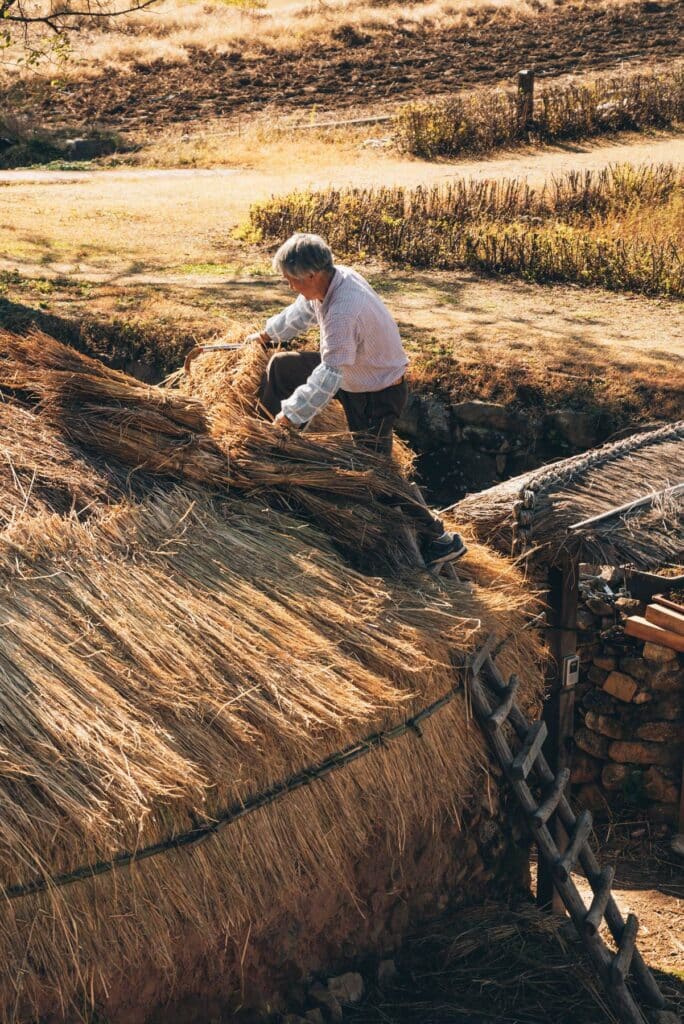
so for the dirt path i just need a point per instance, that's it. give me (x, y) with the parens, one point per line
(404, 62)
(105, 223)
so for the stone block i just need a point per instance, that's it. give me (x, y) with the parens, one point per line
(315, 1016)
(666, 708)
(642, 697)
(579, 429)
(592, 743)
(408, 424)
(616, 776)
(320, 994)
(667, 680)
(589, 651)
(347, 988)
(608, 662)
(586, 621)
(599, 606)
(659, 788)
(661, 732)
(629, 606)
(387, 972)
(584, 768)
(489, 414)
(642, 752)
(657, 654)
(597, 676)
(607, 725)
(437, 420)
(598, 699)
(636, 668)
(621, 686)
(483, 439)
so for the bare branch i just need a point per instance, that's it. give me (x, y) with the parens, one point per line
(58, 22)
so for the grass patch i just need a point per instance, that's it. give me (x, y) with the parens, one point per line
(486, 120)
(621, 228)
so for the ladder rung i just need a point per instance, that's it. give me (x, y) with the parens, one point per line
(619, 969)
(499, 716)
(527, 755)
(599, 903)
(550, 801)
(581, 831)
(483, 654)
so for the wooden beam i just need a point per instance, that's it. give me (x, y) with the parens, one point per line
(647, 499)
(525, 99)
(559, 709)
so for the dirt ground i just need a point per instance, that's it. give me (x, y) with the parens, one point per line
(395, 63)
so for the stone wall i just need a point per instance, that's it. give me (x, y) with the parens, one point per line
(629, 736)
(468, 446)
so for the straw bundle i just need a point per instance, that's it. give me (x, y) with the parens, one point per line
(364, 503)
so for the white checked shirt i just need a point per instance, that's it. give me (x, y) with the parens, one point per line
(360, 345)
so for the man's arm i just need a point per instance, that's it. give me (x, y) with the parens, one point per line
(309, 398)
(294, 320)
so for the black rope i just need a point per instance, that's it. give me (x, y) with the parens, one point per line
(204, 829)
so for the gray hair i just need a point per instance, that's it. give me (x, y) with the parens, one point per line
(303, 254)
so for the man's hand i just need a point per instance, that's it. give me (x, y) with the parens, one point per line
(282, 421)
(259, 336)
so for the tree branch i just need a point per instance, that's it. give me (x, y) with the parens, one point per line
(57, 22)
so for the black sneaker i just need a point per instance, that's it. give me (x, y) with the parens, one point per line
(446, 549)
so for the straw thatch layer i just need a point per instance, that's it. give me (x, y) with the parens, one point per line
(169, 653)
(532, 514)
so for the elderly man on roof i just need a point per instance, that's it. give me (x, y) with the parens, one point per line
(361, 361)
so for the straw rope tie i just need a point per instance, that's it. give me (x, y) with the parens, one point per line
(523, 508)
(202, 830)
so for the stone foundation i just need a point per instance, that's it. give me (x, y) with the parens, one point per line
(629, 734)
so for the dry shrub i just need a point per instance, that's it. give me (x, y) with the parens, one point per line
(553, 233)
(482, 121)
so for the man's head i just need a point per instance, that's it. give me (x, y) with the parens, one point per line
(306, 263)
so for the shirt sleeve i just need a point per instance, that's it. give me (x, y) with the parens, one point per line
(293, 320)
(312, 396)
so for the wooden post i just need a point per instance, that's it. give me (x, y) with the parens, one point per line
(525, 100)
(559, 709)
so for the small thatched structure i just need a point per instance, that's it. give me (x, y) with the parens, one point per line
(213, 777)
(538, 514)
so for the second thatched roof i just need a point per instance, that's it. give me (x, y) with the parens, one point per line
(540, 514)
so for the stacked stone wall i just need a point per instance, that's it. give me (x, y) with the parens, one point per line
(471, 445)
(629, 735)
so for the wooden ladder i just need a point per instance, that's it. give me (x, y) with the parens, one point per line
(612, 968)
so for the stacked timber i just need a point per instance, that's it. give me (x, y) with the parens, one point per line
(630, 733)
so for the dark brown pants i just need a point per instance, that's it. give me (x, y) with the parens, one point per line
(371, 415)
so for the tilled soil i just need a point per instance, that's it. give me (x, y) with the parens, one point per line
(402, 63)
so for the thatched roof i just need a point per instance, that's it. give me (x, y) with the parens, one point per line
(539, 514)
(172, 655)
